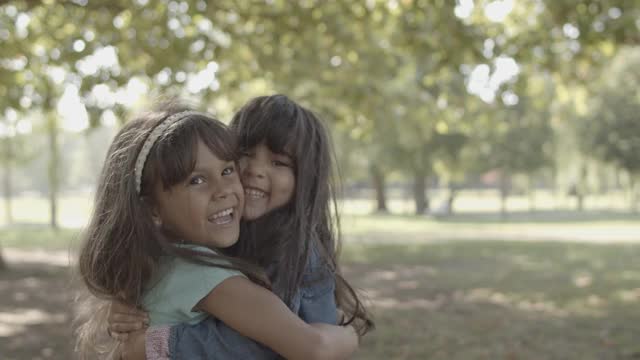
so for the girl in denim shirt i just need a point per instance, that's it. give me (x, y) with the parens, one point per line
(285, 169)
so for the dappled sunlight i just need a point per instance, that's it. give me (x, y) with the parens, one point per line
(529, 263)
(408, 285)
(382, 275)
(630, 275)
(582, 280)
(400, 273)
(18, 320)
(407, 289)
(590, 305)
(495, 297)
(61, 258)
(400, 287)
(35, 309)
(498, 290)
(390, 298)
(629, 296)
(409, 304)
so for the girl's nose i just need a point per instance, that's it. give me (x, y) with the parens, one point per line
(221, 191)
(221, 194)
(253, 168)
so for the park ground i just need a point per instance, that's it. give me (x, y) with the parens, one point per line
(545, 285)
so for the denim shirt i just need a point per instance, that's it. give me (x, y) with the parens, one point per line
(213, 339)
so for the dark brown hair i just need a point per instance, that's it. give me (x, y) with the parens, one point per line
(285, 237)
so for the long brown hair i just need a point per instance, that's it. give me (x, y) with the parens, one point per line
(285, 237)
(121, 247)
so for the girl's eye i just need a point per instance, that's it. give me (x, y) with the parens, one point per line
(228, 171)
(282, 160)
(196, 180)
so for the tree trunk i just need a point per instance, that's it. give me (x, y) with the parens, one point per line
(582, 187)
(378, 180)
(3, 264)
(54, 161)
(634, 194)
(453, 191)
(6, 181)
(419, 192)
(504, 194)
(555, 187)
(531, 197)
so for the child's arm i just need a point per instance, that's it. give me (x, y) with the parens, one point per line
(213, 338)
(208, 339)
(259, 314)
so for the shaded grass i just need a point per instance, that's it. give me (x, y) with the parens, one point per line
(36, 312)
(442, 300)
(499, 300)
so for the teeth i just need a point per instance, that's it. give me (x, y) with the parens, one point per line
(255, 193)
(222, 213)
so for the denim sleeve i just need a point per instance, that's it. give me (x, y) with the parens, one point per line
(212, 339)
(317, 302)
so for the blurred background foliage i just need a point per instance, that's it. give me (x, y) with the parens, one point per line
(511, 95)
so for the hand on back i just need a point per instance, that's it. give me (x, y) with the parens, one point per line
(124, 319)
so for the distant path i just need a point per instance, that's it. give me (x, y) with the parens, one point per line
(588, 233)
(35, 256)
(597, 233)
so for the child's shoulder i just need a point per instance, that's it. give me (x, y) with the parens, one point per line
(177, 273)
(201, 265)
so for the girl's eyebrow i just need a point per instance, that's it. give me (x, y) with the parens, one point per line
(284, 153)
(203, 169)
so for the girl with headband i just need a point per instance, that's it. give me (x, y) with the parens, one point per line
(166, 212)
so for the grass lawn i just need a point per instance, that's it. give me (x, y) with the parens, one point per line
(547, 285)
(477, 299)
(500, 300)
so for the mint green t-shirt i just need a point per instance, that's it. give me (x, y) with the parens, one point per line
(179, 287)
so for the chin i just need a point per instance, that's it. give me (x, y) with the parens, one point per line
(251, 214)
(226, 244)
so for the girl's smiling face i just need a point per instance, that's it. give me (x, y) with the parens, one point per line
(268, 179)
(205, 208)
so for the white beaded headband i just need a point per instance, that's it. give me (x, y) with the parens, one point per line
(151, 139)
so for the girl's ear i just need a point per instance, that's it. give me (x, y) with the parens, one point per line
(157, 221)
(155, 214)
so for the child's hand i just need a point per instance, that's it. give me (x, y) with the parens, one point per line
(124, 319)
(344, 340)
(134, 347)
(341, 317)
